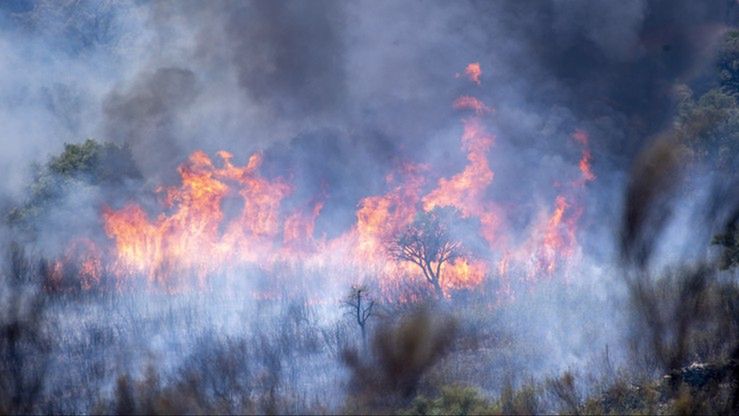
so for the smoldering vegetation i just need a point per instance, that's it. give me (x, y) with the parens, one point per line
(335, 95)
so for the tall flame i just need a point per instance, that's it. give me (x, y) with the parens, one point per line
(194, 236)
(190, 238)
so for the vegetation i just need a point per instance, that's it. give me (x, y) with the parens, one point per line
(215, 353)
(427, 243)
(91, 163)
(361, 307)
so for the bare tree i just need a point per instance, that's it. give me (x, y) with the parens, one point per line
(427, 244)
(361, 306)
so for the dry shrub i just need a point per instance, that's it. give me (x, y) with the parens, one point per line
(401, 352)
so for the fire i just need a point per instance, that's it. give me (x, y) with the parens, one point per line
(82, 260)
(379, 218)
(473, 72)
(463, 273)
(465, 191)
(194, 235)
(471, 103)
(299, 227)
(190, 238)
(557, 238)
(587, 172)
(552, 240)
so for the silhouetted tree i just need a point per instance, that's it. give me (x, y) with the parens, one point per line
(99, 164)
(427, 243)
(360, 306)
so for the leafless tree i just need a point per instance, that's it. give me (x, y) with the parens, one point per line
(426, 243)
(360, 306)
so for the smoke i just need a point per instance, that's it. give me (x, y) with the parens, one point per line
(337, 95)
(143, 117)
(357, 83)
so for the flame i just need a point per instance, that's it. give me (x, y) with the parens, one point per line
(463, 273)
(190, 238)
(473, 72)
(299, 227)
(81, 260)
(379, 218)
(466, 190)
(194, 236)
(587, 172)
(552, 240)
(471, 103)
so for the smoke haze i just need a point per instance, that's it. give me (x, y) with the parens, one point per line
(348, 101)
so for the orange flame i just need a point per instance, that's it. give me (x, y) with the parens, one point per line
(194, 236)
(587, 172)
(299, 227)
(473, 72)
(471, 103)
(379, 218)
(190, 238)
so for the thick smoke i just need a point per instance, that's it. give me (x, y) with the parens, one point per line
(360, 82)
(337, 95)
(368, 84)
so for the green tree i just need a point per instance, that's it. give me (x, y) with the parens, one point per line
(90, 162)
(709, 128)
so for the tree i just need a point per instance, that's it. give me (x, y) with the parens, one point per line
(427, 243)
(103, 165)
(361, 307)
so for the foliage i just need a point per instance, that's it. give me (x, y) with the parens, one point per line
(523, 401)
(563, 389)
(709, 127)
(728, 63)
(454, 400)
(91, 162)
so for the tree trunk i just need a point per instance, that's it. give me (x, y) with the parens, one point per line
(438, 289)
